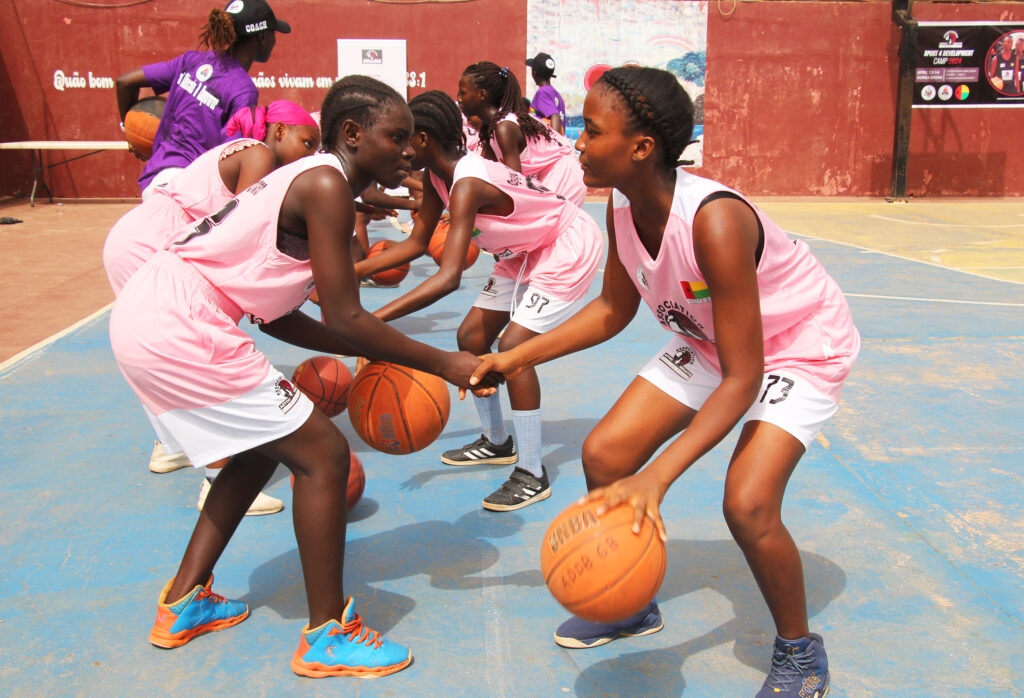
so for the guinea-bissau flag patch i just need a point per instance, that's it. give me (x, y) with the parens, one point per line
(696, 291)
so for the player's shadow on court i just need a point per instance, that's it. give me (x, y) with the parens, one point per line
(716, 566)
(566, 435)
(452, 555)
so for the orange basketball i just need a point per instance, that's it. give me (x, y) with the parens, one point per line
(325, 380)
(436, 247)
(356, 480)
(396, 409)
(387, 277)
(596, 567)
(141, 123)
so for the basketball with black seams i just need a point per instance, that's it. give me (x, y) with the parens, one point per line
(141, 124)
(325, 380)
(396, 409)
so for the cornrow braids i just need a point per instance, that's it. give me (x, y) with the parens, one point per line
(503, 92)
(356, 97)
(438, 114)
(658, 104)
(218, 34)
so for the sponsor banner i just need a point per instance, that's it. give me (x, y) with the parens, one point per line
(969, 64)
(384, 59)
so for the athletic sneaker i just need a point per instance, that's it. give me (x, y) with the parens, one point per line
(369, 282)
(799, 669)
(579, 634)
(263, 504)
(347, 648)
(200, 611)
(482, 452)
(163, 462)
(522, 489)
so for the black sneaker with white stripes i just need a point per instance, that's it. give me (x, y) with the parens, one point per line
(520, 490)
(482, 452)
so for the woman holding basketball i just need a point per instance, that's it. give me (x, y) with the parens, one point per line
(264, 139)
(761, 333)
(548, 252)
(204, 88)
(174, 331)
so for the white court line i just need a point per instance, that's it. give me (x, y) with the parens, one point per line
(932, 300)
(17, 358)
(898, 256)
(946, 225)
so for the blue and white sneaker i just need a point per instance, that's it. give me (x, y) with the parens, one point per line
(347, 648)
(579, 634)
(799, 669)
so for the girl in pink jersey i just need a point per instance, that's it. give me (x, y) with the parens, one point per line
(264, 138)
(549, 251)
(174, 331)
(515, 137)
(761, 334)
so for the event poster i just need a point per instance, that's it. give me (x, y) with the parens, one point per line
(969, 64)
(587, 37)
(383, 59)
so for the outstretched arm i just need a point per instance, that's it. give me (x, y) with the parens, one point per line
(413, 246)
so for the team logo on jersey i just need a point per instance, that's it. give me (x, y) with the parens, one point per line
(488, 289)
(679, 360)
(204, 72)
(505, 254)
(696, 291)
(641, 278)
(676, 318)
(514, 178)
(284, 388)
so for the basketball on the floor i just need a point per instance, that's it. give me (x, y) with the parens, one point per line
(396, 409)
(596, 567)
(436, 247)
(387, 277)
(325, 380)
(356, 480)
(141, 123)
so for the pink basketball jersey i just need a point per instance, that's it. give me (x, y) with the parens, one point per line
(806, 320)
(539, 215)
(237, 248)
(553, 162)
(196, 192)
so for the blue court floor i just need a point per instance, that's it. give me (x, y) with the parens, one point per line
(908, 512)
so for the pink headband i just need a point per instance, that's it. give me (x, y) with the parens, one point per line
(251, 122)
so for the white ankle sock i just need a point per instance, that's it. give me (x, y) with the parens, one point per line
(489, 409)
(528, 441)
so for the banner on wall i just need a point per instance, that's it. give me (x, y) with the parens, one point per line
(969, 64)
(587, 37)
(383, 59)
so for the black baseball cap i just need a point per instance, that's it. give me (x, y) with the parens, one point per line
(255, 16)
(543, 63)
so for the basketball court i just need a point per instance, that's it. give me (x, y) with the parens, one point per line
(907, 510)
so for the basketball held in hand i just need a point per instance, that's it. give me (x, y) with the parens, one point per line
(141, 124)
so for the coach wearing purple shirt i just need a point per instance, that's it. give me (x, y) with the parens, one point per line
(547, 103)
(204, 88)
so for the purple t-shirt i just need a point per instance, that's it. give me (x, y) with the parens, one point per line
(547, 101)
(203, 90)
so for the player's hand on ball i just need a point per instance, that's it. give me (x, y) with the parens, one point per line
(638, 491)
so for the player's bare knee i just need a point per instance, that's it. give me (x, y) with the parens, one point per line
(749, 515)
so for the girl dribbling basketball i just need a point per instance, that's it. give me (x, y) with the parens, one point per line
(174, 331)
(761, 333)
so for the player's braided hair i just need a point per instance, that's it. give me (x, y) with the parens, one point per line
(355, 97)
(218, 34)
(503, 92)
(439, 115)
(658, 104)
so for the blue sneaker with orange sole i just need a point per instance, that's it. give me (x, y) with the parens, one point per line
(199, 611)
(799, 669)
(347, 648)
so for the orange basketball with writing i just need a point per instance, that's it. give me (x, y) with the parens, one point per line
(596, 567)
(396, 409)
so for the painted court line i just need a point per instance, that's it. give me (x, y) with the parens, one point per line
(899, 256)
(945, 225)
(17, 358)
(932, 300)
